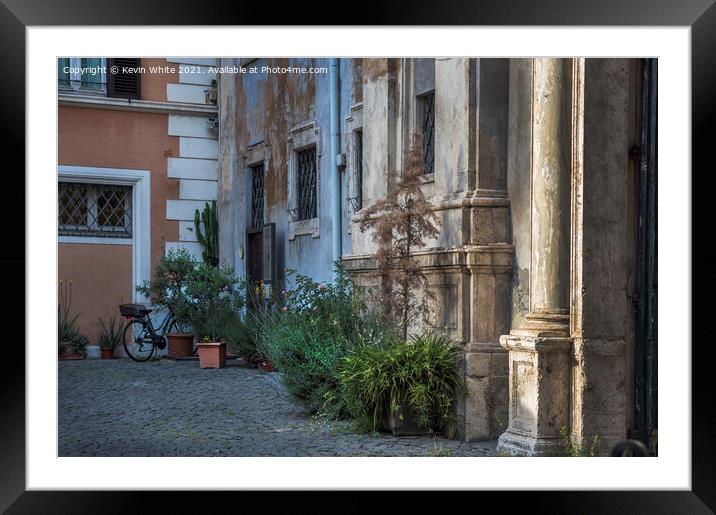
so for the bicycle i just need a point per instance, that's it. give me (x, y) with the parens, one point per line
(141, 339)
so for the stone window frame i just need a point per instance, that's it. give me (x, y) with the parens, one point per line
(411, 104)
(353, 124)
(303, 137)
(253, 155)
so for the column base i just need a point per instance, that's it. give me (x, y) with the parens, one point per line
(515, 444)
(539, 379)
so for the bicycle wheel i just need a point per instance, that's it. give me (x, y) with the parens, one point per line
(138, 342)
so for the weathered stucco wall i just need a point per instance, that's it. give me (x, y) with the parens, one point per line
(270, 106)
(602, 397)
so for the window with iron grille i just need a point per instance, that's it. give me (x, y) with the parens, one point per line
(257, 195)
(306, 184)
(99, 210)
(427, 105)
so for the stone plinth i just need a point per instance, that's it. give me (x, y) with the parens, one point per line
(539, 369)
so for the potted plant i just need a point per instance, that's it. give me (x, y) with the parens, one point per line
(213, 298)
(406, 387)
(71, 344)
(109, 336)
(212, 354)
(168, 291)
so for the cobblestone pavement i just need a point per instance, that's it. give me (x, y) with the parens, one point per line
(174, 408)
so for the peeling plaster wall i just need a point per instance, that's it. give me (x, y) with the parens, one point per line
(268, 107)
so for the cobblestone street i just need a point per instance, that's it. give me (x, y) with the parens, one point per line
(174, 408)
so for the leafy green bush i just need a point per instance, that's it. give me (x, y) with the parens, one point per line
(305, 338)
(110, 333)
(214, 300)
(168, 288)
(422, 371)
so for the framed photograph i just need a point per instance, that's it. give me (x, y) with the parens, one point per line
(397, 257)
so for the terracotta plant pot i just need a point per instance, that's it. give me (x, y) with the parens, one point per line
(266, 366)
(180, 345)
(107, 352)
(212, 355)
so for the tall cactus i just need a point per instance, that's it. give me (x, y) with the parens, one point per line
(210, 238)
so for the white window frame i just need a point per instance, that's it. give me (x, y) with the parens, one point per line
(140, 181)
(300, 138)
(76, 79)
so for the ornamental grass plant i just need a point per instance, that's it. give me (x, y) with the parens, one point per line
(421, 373)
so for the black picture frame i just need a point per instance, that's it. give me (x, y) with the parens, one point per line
(16, 15)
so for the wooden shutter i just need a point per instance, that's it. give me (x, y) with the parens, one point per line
(124, 84)
(269, 253)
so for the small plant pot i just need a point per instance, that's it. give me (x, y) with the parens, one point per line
(107, 352)
(266, 366)
(180, 345)
(212, 355)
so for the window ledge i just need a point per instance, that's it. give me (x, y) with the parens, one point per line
(97, 240)
(304, 227)
(151, 106)
(427, 178)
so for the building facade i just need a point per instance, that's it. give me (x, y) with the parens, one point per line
(543, 175)
(138, 153)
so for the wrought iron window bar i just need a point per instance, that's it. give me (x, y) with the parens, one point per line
(94, 210)
(257, 196)
(428, 101)
(306, 184)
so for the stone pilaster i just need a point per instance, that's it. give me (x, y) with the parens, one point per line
(539, 350)
(485, 210)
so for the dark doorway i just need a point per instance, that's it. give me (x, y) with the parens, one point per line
(645, 349)
(255, 255)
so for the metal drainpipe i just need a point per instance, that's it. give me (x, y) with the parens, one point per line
(336, 236)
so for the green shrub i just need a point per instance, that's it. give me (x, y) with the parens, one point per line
(214, 300)
(305, 337)
(423, 371)
(168, 288)
(237, 332)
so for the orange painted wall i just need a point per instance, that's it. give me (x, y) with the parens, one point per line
(154, 85)
(101, 278)
(115, 139)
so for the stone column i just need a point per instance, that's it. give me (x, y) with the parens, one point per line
(539, 359)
